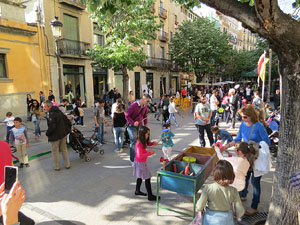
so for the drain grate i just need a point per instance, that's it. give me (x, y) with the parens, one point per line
(258, 218)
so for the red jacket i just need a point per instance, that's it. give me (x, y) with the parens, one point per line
(5, 158)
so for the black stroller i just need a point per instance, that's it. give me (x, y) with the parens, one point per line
(83, 145)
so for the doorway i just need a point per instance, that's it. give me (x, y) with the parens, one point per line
(137, 77)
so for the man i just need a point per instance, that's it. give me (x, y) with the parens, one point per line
(117, 95)
(99, 117)
(257, 101)
(136, 116)
(203, 114)
(58, 128)
(165, 108)
(63, 105)
(248, 93)
(51, 96)
(233, 105)
(277, 99)
(214, 106)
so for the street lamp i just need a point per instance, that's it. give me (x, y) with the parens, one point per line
(56, 26)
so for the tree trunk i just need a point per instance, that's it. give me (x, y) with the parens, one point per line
(285, 199)
(125, 85)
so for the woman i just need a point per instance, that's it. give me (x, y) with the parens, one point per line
(119, 122)
(35, 111)
(29, 104)
(250, 130)
(131, 97)
(225, 106)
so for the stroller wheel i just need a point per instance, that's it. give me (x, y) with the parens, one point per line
(81, 156)
(87, 159)
(101, 152)
(96, 149)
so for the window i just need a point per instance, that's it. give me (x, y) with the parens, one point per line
(175, 18)
(3, 73)
(149, 50)
(99, 39)
(71, 31)
(162, 52)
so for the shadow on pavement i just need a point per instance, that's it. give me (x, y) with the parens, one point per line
(63, 222)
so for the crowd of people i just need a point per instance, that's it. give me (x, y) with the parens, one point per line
(231, 174)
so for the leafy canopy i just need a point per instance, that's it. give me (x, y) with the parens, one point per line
(126, 31)
(200, 47)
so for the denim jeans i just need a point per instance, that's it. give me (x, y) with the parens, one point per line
(201, 129)
(132, 132)
(256, 189)
(119, 134)
(100, 133)
(8, 130)
(212, 119)
(170, 117)
(37, 129)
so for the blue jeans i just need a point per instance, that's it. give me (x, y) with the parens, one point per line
(170, 117)
(37, 130)
(100, 133)
(212, 119)
(256, 189)
(132, 132)
(8, 130)
(119, 134)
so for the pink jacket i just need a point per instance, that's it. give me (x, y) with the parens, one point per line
(141, 153)
(5, 158)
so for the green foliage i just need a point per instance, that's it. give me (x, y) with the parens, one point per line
(126, 31)
(200, 47)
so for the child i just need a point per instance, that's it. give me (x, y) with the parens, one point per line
(140, 168)
(220, 197)
(172, 111)
(18, 136)
(81, 115)
(9, 120)
(222, 135)
(167, 143)
(244, 159)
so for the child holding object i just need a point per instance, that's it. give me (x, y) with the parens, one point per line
(220, 197)
(140, 168)
(244, 159)
(167, 143)
(222, 135)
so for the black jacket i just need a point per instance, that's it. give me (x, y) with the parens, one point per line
(58, 124)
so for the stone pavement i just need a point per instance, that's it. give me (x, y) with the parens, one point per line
(102, 191)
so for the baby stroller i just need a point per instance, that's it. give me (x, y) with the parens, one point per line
(83, 145)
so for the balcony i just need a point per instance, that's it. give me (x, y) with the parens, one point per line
(70, 48)
(152, 63)
(74, 3)
(163, 13)
(163, 36)
(176, 68)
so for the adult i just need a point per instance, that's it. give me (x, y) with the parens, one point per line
(29, 101)
(117, 95)
(203, 114)
(214, 106)
(111, 96)
(150, 92)
(277, 99)
(63, 105)
(114, 106)
(131, 97)
(58, 128)
(183, 92)
(42, 97)
(225, 106)
(136, 116)
(233, 105)
(51, 97)
(165, 108)
(257, 101)
(99, 118)
(6, 160)
(248, 93)
(69, 91)
(254, 131)
(36, 112)
(119, 122)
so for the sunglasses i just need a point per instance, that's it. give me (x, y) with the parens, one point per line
(245, 117)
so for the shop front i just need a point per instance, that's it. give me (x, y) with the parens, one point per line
(100, 81)
(74, 82)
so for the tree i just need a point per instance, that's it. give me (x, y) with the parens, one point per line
(127, 27)
(283, 33)
(200, 47)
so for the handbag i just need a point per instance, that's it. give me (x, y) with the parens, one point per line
(33, 118)
(199, 218)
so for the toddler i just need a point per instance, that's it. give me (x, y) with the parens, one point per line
(167, 143)
(9, 121)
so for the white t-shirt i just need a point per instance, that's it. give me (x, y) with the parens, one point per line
(248, 91)
(213, 101)
(9, 121)
(150, 93)
(113, 109)
(172, 108)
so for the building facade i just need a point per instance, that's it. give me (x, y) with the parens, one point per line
(23, 64)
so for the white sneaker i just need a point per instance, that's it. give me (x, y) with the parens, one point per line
(132, 163)
(121, 150)
(118, 151)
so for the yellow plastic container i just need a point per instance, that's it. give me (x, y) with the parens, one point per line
(189, 159)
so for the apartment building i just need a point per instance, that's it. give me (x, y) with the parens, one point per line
(69, 62)
(23, 65)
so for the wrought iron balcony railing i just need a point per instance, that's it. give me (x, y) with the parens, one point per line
(158, 63)
(73, 48)
(163, 13)
(163, 36)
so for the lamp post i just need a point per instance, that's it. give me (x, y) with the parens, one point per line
(56, 26)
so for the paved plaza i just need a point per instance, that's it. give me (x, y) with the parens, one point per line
(101, 192)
